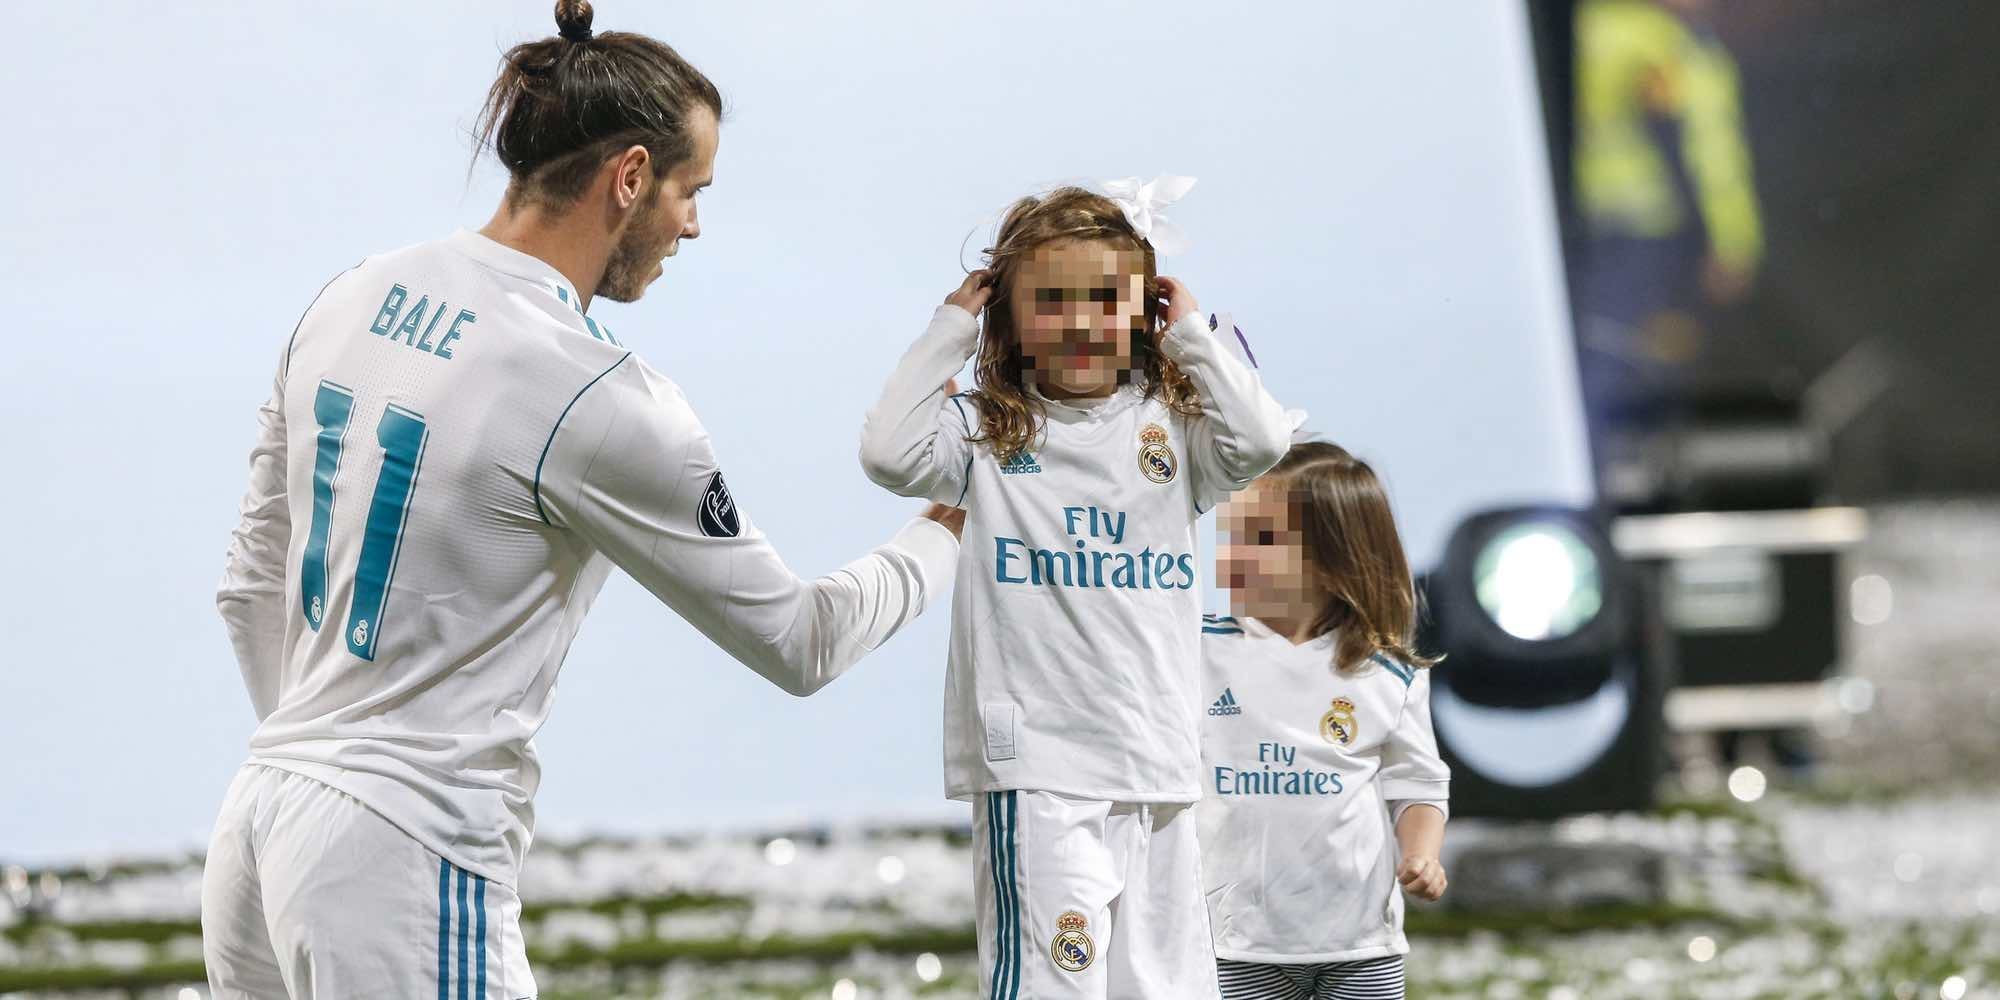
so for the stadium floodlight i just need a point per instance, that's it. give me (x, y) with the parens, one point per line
(1538, 580)
(1550, 698)
(1538, 596)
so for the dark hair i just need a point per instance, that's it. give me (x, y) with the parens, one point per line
(1009, 418)
(562, 105)
(1350, 537)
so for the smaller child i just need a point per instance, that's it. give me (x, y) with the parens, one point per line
(1317, 739)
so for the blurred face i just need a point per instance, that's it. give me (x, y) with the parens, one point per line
(1261, 557)
(1077, 308)
(663, 218)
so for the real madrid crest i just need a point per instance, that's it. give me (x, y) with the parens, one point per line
(1337, 725)
(1156, 456)
(1072, 949)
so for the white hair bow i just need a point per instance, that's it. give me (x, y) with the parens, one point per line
(1298, 421)
(1141, 201)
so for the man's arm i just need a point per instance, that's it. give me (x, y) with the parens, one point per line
(251, 596)
(632, 471)
(1717, 156)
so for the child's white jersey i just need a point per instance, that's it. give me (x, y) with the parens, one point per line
(452, 459)
(1074, 655)
(1302, 766)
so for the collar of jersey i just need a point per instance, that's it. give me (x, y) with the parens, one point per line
(508, 260)
(1257, 628)
(1124, 399)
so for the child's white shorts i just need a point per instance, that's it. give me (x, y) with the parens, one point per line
(308, 893)
(1085, 898)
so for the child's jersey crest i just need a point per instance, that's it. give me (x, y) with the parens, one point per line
(1156, 456)
(1338, 725)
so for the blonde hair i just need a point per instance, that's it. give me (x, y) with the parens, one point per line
(1009, 418)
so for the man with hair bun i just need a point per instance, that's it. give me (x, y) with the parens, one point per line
(453, 457)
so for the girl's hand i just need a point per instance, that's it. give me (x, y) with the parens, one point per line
(1180, 302)
(972, 293)
(1422, 878)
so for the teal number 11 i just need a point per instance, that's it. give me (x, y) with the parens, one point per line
(401, 435)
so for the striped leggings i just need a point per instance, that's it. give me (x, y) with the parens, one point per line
(1368, 979)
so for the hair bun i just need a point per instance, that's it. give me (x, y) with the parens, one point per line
(573, 19)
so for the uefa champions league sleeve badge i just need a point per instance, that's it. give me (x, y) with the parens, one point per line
(717, 516)
(1072, 949)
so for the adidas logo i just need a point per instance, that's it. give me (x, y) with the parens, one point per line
(1225, 705)
(1022, 462)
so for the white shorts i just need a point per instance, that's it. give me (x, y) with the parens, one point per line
(309, 893)
(1084, 898)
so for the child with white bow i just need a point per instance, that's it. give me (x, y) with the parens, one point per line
(1106, 418)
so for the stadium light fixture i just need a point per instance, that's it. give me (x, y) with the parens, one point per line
(1549, 700)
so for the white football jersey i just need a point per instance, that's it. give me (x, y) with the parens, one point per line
(452, 460)
(1301, 768)
(1074, 655)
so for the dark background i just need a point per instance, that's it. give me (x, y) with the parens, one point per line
(1874, 129)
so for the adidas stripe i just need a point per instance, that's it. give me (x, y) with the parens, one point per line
(471, 972)
(1001, 813)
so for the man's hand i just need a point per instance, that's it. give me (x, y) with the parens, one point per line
(947, 515)
(973, 292)
(1422, 877)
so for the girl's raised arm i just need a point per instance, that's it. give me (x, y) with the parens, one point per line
(913, 441)
(1242, 431)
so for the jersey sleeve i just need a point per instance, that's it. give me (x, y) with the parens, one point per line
(631, 470)
(251, 596)
(1241, 431)
(914, 441)
(1412, 772)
